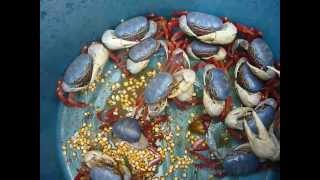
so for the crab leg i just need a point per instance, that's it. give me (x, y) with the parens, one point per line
(249, 32)
(70, 99)
(199, 145)
(158, 157)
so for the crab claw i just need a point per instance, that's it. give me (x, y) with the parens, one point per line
(232, 119)
(114, 43)
(185, 79)
(265, 145)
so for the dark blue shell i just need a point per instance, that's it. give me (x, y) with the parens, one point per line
(143, 50)
(201, 49)
(261, 53)
(218, 84)
(248, 80)
(127, 129)
(266, 114)
(132, 29)
(201, 23)
(105, 173)
(79, 71)
(239, 163)
(158, 88)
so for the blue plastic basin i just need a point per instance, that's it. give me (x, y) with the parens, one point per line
(67, 24)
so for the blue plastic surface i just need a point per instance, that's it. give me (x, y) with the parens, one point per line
(67, 24)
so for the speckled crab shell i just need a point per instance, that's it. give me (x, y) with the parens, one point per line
(132, 29)
(238, 163)
(202, 23)
(200, 50)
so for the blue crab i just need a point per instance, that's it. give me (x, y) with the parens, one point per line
(103, 166)
(207, 28)
(216, 90)
(262, 142)
(266, 111)
(139, 54)
(261, 55)
(129, 33)
(82, 72)
(247, 85)
(175, 81)
(199, 50)
(128, 130)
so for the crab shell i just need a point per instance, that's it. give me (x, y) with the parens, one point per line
(203, 51)
(85, 68)
(139, 54)
(249, 99)
(129, 33)
(221, 34)
(156, 92)
(104, 167)
(239, 162)
(213, 105)
(265, 110)
(262, 55)
(127, 129)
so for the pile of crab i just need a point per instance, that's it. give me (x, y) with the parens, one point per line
(218, 46)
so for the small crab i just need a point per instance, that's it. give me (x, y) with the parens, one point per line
(264, 144)
(199, 50)
(216, 90)
(103, 166)
(129, 33)
(183, 80)
(247, 85)
(81, 73)
(128, 130)
(261, 56)
(139, 54)
(173, 81)
(207, 28)
(266, 111)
